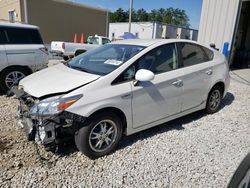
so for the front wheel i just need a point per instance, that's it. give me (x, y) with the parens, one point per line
(100, 136)
(214, 100)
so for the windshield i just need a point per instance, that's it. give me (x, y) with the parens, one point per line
(104, 59)
(93, 40)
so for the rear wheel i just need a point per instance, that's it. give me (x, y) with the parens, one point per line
(214, 100)
(11, 77)
(100, 136)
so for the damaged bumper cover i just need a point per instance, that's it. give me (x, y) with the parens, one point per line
(46, 129)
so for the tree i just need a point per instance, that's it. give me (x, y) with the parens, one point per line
(142, 15)
(119, 16)
(169, 16)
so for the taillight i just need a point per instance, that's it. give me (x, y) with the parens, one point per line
(63, 45)
(45, 50)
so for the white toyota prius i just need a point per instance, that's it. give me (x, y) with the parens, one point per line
(120, 88)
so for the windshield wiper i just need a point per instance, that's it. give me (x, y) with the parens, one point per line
(79, 68)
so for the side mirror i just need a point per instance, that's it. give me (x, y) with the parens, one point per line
(144, 75)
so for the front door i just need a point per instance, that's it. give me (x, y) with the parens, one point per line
(161, 97)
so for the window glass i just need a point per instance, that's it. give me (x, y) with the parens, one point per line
(104, 59)
(159, 60)
(3, 39)
(210, 53)
(23, 36)
(105, 41)
(192, 54)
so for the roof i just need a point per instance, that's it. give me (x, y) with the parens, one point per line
(149, 42)
(81, 5)
(21, 25)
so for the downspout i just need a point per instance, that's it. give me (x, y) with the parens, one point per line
(107, 24)
(153, 33)
(25, 11)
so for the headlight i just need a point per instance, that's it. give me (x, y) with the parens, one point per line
(53, 105)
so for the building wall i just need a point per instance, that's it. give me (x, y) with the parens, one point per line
(217, 23)
(145, 30)
(60, 19)
(6, 5)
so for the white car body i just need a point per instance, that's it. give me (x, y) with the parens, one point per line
(144, 104)
(31, 56)
(69, 48)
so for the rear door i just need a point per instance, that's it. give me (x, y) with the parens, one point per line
(3, 58)
(198, 69)
(22, 47)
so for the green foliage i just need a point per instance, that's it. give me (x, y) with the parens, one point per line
(169, 16)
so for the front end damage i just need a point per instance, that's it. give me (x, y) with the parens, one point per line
(45, 128)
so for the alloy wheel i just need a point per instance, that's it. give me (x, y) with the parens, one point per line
(13, 78)
(102, 136)
(215, 99)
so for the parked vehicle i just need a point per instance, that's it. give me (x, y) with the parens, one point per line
(22, 52)
(121, 88)
(68, 49)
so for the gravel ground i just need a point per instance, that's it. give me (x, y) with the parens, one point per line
(197, 150)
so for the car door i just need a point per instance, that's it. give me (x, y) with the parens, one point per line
(3, 58)
(198, 70)
(159, 98)
(19, 49)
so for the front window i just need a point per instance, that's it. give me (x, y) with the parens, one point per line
(104, 59)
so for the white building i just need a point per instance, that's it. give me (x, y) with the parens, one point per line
(151, 30)
(227, 21)
(143, 30)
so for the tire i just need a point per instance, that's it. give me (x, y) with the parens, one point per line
(78, 52)
(8, 74)
(65, 58)
(214, 100)
(241, 176)
(88, 137)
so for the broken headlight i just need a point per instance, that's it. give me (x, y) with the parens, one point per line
(53, 105)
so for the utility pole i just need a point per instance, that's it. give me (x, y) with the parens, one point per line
(130, 15)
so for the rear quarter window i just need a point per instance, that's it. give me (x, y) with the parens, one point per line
(210, 53)
(192, 54)
(23, 36)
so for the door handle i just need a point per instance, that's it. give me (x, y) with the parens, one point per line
(209, 72)
(177, 83)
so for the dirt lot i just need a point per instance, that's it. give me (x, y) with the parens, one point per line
(198, 150)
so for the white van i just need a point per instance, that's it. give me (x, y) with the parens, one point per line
(22, 52)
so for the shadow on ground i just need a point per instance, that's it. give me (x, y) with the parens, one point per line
(176, 124)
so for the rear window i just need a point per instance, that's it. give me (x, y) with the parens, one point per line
(22, 35)
(210, 53)
(3, 39)
(192, 54)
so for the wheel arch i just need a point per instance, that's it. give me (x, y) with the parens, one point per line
(114, 110)
(219, 83)
(28, 69)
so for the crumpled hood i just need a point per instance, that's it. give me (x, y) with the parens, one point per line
(55, 79)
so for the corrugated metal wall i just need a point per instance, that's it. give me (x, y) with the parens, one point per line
(218, 19)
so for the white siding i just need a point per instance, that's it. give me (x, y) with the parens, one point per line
(145, 30)
(218, 19)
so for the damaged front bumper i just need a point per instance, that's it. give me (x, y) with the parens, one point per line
(46, 130)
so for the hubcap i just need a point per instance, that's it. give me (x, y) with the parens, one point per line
(102, 136)
(13, 78)
(214, 100)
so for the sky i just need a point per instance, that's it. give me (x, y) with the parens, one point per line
(192, 7)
